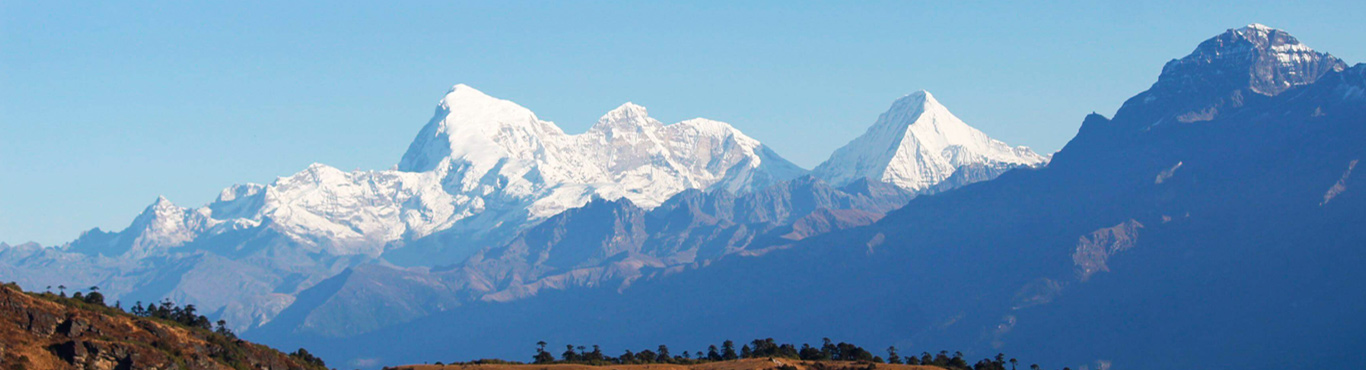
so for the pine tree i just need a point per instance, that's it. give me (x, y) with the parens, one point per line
(728, 351)
(664, 356)
(569, 355)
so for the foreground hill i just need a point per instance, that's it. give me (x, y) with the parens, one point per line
(43, 331)
(746, 364)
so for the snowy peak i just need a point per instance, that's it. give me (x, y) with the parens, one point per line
(1271, 60)
(627, 117)
(916, 145)
(469, 124)
(914, 103)
(1225, 71)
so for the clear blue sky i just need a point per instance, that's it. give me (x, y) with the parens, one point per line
(105, 106)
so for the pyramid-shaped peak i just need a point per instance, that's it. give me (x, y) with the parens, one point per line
(915, 145)
(162, 202)
(161, 208)
(915, 101)
(919, 97)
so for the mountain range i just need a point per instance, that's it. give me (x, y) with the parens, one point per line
(1209, 223)
(491, 203)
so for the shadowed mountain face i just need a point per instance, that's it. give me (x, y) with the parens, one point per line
(608, 244)
(1230, 241)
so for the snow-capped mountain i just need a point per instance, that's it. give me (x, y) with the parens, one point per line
(1226, 72)
(918, 145)
(482, 161)
(500, 153)
(479, 172)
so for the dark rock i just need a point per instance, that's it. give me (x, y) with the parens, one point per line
(42, 323)
(73, 327)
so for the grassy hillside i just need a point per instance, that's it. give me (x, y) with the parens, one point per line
(745, 364)
(40, 331)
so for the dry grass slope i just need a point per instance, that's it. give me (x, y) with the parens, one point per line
(42, 331)
(746, 364)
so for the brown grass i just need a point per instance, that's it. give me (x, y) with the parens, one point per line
(746, 364)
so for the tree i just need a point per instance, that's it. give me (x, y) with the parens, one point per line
(595, 357)
(569, 355)
(542, 356)
(95, 298)
(712, 353)
(892, 357)
(307, 358)
(627, 358)
(646, 356)
(686, 355)
(745, 352)
(663, 356)
(1034, 367)
(62, 289)
(224, 331)
(957, 361)
(1013, 362)
(728, 350)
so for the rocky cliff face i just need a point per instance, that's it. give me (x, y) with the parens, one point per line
(1238, 67)
(58, 333)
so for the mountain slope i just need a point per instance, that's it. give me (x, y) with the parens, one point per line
(1232, 242)
(919, 145)
(607, 243)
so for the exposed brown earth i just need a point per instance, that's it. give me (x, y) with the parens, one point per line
(746, 364)
(43, 331)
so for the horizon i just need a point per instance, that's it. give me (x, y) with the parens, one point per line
(241, 96)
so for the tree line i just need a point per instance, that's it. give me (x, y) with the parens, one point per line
(767, 348)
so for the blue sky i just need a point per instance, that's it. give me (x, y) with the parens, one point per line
(105, 106)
